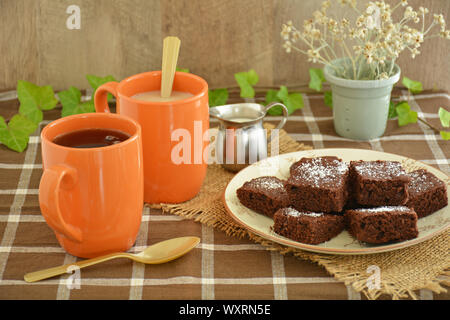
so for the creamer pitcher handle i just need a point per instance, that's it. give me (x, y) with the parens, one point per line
(285, 115)
(101, 96)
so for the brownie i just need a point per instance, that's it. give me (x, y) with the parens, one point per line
(379, 183)
(318, 184)
(264, 195)
(382, 224)
(307, 227)
(427, 194)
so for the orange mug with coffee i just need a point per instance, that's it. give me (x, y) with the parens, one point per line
(91, 190)
(174, 133)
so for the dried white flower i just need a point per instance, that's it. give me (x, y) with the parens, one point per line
(360, 21)
(288, 46)
(445, 34)
(313, 55)
(423, 10)
(409, 13)
(325, 5)
(439, 18)
(345, 23)
(285, 32)
(418, 38)
(315, 34)
(296, 35)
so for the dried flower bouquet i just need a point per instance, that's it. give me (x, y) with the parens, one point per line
(371, 44)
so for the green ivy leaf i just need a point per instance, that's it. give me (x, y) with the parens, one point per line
(182, 69)
(33, 99)
(31, 112)
(16, 134)
(405, 114)
(71, 102)
(292, 101)
(218, 97)
(275, 111)
(22, 123)
(413, 86)
(85, 107)
(271, 96)
(392, 111)
(252, 77)
(445, 135)
(316, 78)
(283, 93)
(246, 81)
(444, 116)
(70, 99)
(96, 81)
(46, 98)
(328, 99)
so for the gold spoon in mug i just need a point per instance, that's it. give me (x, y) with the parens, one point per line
(160, 252)
(171, 49)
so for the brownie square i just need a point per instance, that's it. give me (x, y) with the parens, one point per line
(427, 194)
(382, 224)
(318, 184)
(307, 227)
(379, 183)
(264, 195)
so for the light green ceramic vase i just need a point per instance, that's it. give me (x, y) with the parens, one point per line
(360, 107)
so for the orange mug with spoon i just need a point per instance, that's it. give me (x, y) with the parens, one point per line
(174, 133)
(91, 195)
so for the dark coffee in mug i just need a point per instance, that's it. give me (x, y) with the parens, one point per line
(91, 138)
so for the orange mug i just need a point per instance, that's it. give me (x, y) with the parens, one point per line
(92, 198)
(169, 129)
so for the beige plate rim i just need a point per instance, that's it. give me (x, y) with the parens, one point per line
(317, 249)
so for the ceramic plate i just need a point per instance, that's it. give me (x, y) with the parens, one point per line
(344, 243)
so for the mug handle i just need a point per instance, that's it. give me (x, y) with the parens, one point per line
(49, 200)
(285, 115)
(101, 96)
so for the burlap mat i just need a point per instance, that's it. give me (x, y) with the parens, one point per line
(422, 266)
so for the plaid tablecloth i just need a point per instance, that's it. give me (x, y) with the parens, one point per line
(220, 267)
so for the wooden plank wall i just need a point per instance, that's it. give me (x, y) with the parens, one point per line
(219, 38)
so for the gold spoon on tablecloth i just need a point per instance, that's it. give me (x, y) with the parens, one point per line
(160, 252)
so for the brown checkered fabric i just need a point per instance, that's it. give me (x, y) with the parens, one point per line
(220, 267)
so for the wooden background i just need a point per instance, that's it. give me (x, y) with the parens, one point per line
(219, 38)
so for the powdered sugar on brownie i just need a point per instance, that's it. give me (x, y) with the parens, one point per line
(267, 183)
(422, 180)
(295, 213)
(385, 209)
(379, 169)
(319, 171)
